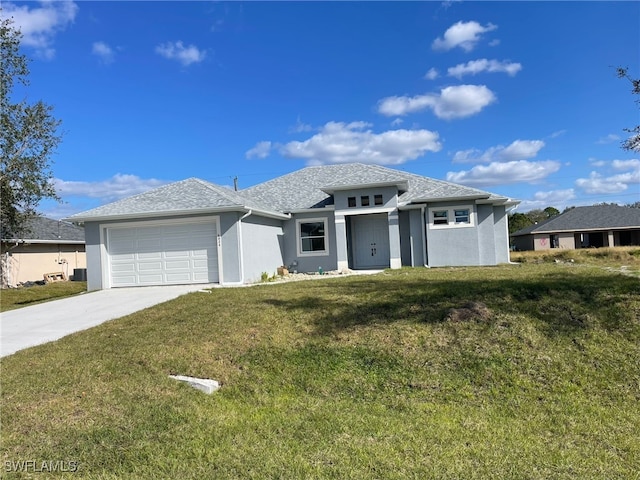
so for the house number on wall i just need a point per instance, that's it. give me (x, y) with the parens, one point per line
(373, 249)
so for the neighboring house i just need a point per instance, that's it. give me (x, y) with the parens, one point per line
(44, 246)
(336, 217)
(582, 227)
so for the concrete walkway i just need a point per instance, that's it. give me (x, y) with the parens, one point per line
(45, 322)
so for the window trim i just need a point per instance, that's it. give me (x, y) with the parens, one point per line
(320, 253)
(451, 217)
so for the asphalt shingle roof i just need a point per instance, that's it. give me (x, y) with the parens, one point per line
(190, 194)
(304, 189)
(598, 217)
(42, 228)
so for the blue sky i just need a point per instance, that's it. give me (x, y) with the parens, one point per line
(517, 98)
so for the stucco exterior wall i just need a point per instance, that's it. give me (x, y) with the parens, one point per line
(310, 263)
(501, 234)
(262, 247)
(452, 245)
(486, 235)
(29, 262)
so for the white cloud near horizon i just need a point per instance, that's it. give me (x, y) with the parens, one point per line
(505, 173)
(597, 183)
(474, 67)
(517, 150)
(339, 142)
(465, 35)
(452, 102)
(553, 198)
(186, 55)
(261, 150)
(39, 25)
(115, 188)
(103, 51)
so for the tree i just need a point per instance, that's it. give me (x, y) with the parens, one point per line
(633, 142)
(28, 138)
(518, 221)
(551, 212)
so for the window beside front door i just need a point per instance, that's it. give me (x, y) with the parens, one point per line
(312, 237)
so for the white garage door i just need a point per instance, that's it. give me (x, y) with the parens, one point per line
(163, 254)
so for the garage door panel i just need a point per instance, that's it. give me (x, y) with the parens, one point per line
(178, 265)
(160, 255)
(123, 268)
(149, 266)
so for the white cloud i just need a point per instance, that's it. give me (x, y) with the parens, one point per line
(117, 187)
(300, 126)
(396, 122)
(432, 74)
(186, 55)
(339, 142)
(462, 34)
(518, 150)
(103, 51)
(453, 102)
(633, 164)
(558, 133)
(261, 150)
(498, 173)
(474, 67)
(554, 198)
(611, 138)
(598, 184)
(39, 25)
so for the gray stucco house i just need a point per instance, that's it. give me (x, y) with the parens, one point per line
(582, 227)
(336, 217)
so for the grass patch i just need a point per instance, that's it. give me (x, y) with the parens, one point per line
(12, 298)
(625, 258)
(357, 377)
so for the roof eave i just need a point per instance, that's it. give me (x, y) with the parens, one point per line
(51, 242)
(330, 190)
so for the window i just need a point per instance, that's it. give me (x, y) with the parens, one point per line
(457, 216)
(364, 200)
(377, 200)
(313, 237)
(440, 217)
(351, 202)
(461, 216)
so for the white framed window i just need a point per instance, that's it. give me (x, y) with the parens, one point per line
(441, 217)
(313, 239)
(462, 215)
(450, 217)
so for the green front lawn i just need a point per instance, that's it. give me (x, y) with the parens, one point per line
(510, 372)
(12, 298)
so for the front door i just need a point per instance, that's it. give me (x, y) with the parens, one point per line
(370, 235)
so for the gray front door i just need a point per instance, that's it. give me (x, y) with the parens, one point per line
(370, 235)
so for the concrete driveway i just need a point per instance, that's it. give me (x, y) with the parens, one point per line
(45, 322)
